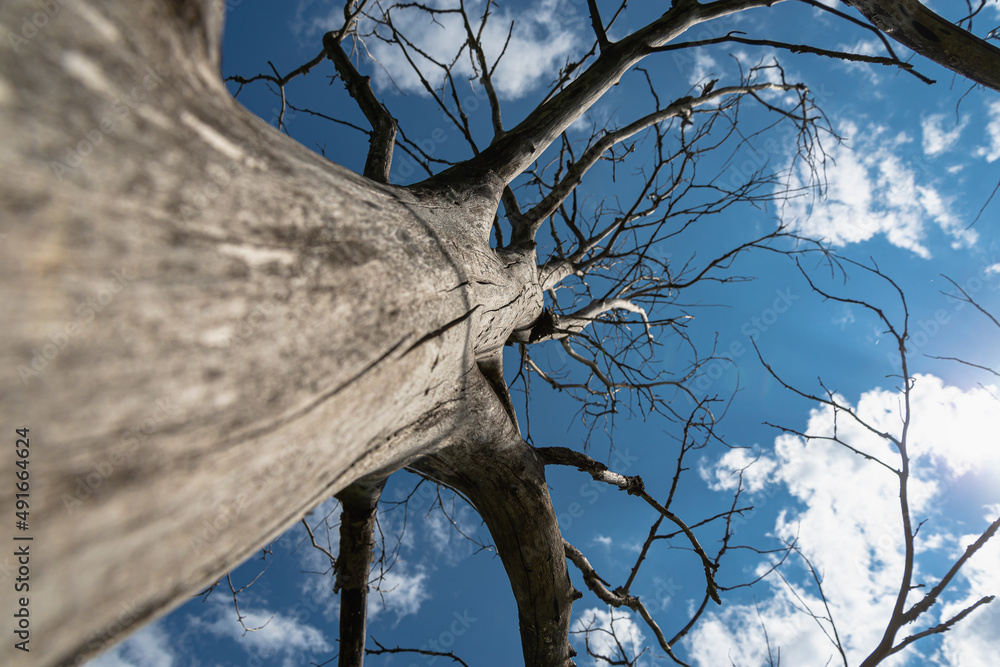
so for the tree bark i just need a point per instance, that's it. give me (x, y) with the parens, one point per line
(210, 328)
(918, 28)
(357, 540)
(504, 478)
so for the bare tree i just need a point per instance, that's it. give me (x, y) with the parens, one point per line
(213, 329)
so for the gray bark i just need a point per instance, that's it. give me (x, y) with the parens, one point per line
(918, 28)
(237, 327)
(504, 478)
(211, 329)
(214, 329)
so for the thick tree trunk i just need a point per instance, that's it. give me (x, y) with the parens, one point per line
(209, 328)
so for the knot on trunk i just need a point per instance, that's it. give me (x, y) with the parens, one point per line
(543, 327)
(634, 485)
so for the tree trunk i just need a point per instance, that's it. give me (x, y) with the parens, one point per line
(504, 478)
(210, 329)
(357, 541)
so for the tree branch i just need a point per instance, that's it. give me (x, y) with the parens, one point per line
(617, 598)
(802, 48)
(595, 19)
(575, 171)
(383, 137)
(635, 487)
(932, 596)
(910, 23)
(507, 157)
(941, 628)
(419, 651)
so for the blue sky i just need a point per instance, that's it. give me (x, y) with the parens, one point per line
(917, 166)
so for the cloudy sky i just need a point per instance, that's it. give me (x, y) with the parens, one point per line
(908, 187)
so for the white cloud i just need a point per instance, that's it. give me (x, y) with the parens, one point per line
(451, 541)
(735, 635)
(975, 641)
(725, 475)
(606, 630)
(316, 587)
(871, 190)
(872, 72)
(545, 34)
(848, 525)
(314, 18)
(992, 152)
(936, 138)
(150, 647)
(400, 591)
(307, 25)
(279, 634)
(704, 67)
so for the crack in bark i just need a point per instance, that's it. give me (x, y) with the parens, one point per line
(315, 403)
(441, 330)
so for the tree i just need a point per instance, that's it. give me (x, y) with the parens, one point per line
(370, 319)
